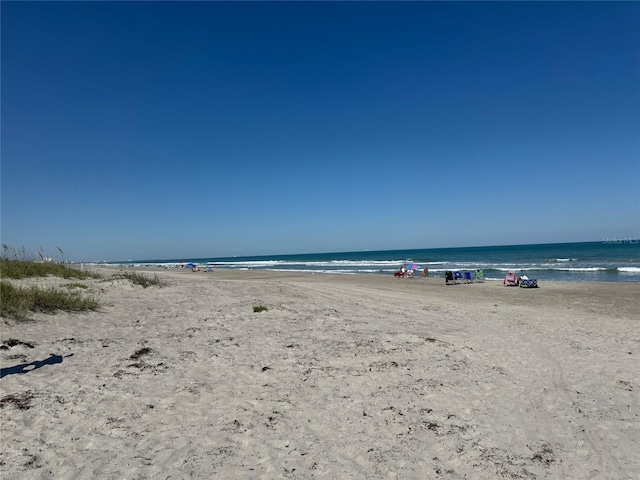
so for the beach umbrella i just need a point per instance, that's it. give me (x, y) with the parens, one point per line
(413, 266)
(191, 265)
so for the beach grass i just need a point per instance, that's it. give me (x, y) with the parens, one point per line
(19, 263)
(71, 286)
(17, 301)
(18, 269)
(141, 279)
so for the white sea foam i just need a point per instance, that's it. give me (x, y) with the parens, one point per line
(314, 264)
(306, 270)
(582, 269)
(629, 269)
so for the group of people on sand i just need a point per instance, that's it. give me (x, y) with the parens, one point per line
(195, 268)
(404, 272)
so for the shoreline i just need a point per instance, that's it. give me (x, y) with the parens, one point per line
(342, 376)
(432, 274)
(585, 261)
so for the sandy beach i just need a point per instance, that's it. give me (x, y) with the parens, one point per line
(343, 377)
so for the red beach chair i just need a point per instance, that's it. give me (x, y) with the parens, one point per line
(511, 280)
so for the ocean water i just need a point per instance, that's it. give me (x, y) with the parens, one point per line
(615, 260)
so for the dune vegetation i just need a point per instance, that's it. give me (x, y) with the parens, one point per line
(16, 301)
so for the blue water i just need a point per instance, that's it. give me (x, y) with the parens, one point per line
(606, 261)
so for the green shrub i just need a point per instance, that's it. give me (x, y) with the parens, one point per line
(260, 308)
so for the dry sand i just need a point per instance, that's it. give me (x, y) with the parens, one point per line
(344, 377)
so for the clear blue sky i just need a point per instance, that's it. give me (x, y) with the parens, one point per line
(162, 130)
